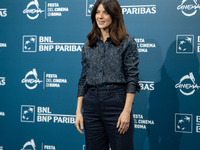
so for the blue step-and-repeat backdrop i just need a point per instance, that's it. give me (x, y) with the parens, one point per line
(40, 65)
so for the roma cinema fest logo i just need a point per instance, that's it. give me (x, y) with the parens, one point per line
(187, 85)
(29, 144)
(31, 79)
(50, 80)
(51, 10)
(189, 7)
(32, 10)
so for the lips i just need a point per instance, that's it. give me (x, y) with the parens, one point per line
(101, 22)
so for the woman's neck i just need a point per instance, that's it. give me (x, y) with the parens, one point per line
(104, 35)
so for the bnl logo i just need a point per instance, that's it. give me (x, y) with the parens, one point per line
(185, 44)
(89, 6)
(183, 123)
(29, 43)
(28, 113)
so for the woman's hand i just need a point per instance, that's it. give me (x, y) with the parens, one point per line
(79, 122)
(123, 122)
(124, 118)
(79, 116)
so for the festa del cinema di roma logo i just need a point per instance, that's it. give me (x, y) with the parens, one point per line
(31, 83)
(30, 145)
(31, 80)
(189, 7)
(187, 85)
(32, 10)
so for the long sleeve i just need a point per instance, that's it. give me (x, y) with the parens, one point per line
(81, 84)
(131, 71)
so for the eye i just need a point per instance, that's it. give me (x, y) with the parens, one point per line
(97, 12)
(105, 12)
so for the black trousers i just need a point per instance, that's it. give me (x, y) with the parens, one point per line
(101, 110)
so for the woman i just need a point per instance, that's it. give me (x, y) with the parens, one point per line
(108, 82)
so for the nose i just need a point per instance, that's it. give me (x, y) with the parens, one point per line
(100, 15)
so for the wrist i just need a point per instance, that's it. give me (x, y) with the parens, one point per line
(127, 110)
(78, 112)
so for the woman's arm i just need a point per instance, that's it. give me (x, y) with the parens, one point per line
(131, 72)
(81, 83)
(81, 92)
(124, 118)
(79, 116)
(129, 102)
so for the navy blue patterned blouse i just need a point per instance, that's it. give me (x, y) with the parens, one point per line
(110, 66)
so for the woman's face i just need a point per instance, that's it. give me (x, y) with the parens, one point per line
(102, 17)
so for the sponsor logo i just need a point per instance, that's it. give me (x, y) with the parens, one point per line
(29, 144)
(183, 123)
(185, 44)
(29, 43)
(54, 9)
(139, 10)
(187, 85)
(126, 10)
(51, 10)
(140, 122)
(3, 45)
(1, 147)
(189, 7)
(28, 113)
(32, 10)
(2, 81)
(143, 46)
(89, 6)
(146, 85)
(46, 44)
(3, 12)
(53, 81)
(44, 115)
(2, 114)
(31, 79)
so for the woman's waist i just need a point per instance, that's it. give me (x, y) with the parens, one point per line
(107, 87)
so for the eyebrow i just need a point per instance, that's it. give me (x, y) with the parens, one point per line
(103, 10)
